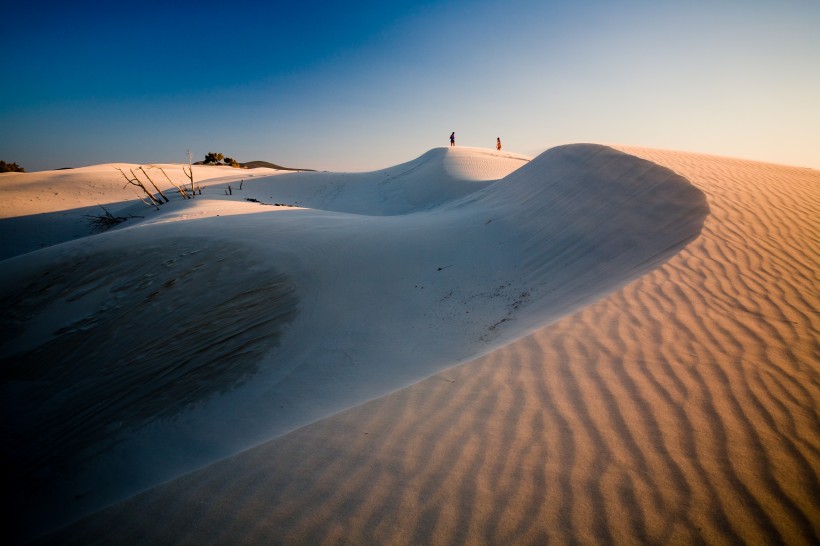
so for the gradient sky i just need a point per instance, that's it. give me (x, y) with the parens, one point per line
(360, 85)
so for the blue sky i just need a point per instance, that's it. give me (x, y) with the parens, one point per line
(360, 85)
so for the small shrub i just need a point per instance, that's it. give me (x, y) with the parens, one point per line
(103, 222)
(11, 168)
(213, 158)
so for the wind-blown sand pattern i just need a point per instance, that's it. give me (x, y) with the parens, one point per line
(680, 408)
(143, 353)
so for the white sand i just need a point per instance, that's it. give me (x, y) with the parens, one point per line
(636, 419)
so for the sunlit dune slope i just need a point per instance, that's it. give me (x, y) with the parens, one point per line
(679, 409)
(42, 209)
(145, 352)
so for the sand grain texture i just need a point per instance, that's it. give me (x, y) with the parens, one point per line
(682, 408)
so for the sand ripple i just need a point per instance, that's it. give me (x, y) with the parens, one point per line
(680, 409)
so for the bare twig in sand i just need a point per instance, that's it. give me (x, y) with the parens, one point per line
(102, 222)
(135, 181)
(144, 200)
(182, 191)
(190, 174)
(153, 183)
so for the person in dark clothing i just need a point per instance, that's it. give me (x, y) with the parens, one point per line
(453, 138)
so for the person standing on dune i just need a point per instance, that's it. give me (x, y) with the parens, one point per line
(453, 138)
(498, 144)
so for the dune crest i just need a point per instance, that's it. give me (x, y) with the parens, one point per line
(434, 178)
(372, 303)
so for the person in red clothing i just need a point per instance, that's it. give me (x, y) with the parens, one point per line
(498, 143)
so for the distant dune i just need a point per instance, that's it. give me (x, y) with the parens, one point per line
(269, 165)
(257, 165)
(597, 345)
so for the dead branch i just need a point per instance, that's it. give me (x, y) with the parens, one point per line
(135, 181)
(150, 195)
(103, 222)
(144, 200)
(153, 184)
(182, 191)
(190, 174)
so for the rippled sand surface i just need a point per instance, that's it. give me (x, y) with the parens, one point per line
(682, 408)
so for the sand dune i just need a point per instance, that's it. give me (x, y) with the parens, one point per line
(42, 209)
(681, 408)
(437, 177)
(145, 352)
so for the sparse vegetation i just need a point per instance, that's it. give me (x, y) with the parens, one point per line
(182, 191)
(11, 168)
(213, 158)
(189, 172)
(217, 158)
(148, 198)
(158, 198)
(103, 222)
(164, 198)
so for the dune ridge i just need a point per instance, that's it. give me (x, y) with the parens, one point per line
(436, 177)
(681, 408)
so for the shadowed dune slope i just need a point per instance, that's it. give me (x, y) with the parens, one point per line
(680, 409)
(146, 352)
